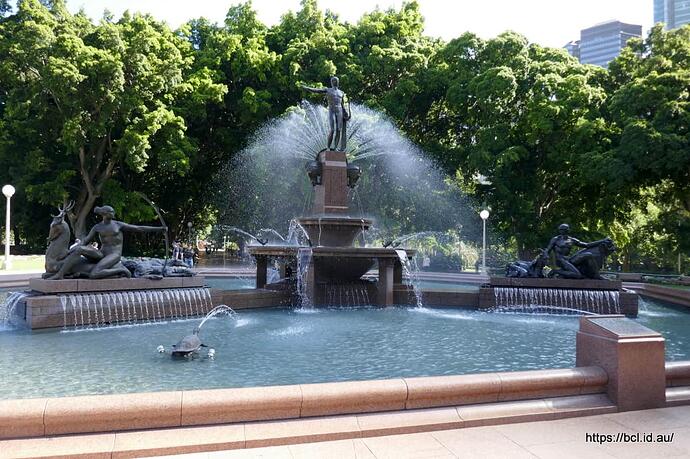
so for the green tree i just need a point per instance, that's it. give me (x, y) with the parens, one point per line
(85, 102)
(651, 113)
(520, 116)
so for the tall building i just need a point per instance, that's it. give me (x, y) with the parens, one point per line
(673, 13)
(573, 48)
(603, 42)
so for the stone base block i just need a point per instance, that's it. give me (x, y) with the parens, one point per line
(579, 284)
(632, 356)
(108, 285)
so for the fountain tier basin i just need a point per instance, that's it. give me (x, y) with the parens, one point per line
(330, 231)
(334, 263)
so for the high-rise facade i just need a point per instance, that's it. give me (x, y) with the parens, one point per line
(573, 48)
(603, 42)
(673, 13)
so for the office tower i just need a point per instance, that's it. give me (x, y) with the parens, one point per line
(573, 48)
(601, 43)
(673, 13)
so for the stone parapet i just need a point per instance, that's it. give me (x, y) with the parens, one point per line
(120, 412)
(109, 285)
(632, 356)
(578, 284)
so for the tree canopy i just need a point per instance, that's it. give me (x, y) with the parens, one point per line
(94, 111)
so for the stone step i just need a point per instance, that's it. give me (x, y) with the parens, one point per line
(315, 429)
(676, 396)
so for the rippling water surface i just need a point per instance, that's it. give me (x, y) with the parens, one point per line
(279, 346)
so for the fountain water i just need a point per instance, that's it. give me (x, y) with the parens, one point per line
(265, 185)
(411, 273)
(220, 309)
(9, 306)
(392, 178)
(89, 310)
(554, 301)
(304, 259)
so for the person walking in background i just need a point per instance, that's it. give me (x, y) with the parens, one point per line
(177, 251)
(188, 256)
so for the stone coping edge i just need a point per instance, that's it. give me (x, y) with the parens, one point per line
(46, 286)
(678, 373)
(199, 439)
(121, 412)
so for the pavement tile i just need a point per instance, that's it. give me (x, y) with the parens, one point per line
(561, 431)
(411, 421)
(272, 452)
(341, 449)
(570, 450)
(480, 442)
(661, 418)
(274, 433)
(87, 446)
(172, 441)
(417, 446)
(642, 450)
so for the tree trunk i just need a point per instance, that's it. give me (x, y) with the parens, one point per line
(78, 220)
(626, 259)
(94, 177)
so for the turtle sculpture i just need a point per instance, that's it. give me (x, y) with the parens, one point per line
(188, 346)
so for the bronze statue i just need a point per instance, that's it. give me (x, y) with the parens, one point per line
(58, 241)
(586, 263)
(85, 260)
(337, 114)
(534, 268)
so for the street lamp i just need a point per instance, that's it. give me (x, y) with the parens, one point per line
(8, 191)
(189, 234)
(484, 214)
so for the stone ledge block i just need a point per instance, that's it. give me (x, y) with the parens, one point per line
(219, 406)
(22, 418)
(104, 413)
(353, 397)
(436, 391)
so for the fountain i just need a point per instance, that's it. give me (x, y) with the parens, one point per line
(332, 264)
(576, 286)
(87, 285)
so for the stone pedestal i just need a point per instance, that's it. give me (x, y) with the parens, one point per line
(261, 271)
(525, 288)
(385, 284)
(632, 356)
(88, 302)
(397, 273)
(331, 195)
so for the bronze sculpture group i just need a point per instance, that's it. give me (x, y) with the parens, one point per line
(100, 259)
(584, 264)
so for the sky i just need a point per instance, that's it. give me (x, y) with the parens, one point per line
(547, 22)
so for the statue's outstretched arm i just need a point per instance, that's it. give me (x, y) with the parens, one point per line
(549, 247)
(314, 90)
(89, 237)
(587, 245)
(141, 228)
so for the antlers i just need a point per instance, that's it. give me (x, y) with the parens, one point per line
(64, 209)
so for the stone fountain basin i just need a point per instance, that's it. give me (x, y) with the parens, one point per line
(335, 263)
(331, 231)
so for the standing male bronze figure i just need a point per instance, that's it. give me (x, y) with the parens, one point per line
(337, 114)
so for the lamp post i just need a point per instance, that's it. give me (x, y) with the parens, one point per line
(189, 233)
(8, 191)
(484, 214)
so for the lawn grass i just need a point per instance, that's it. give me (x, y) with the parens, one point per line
(26, 263)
